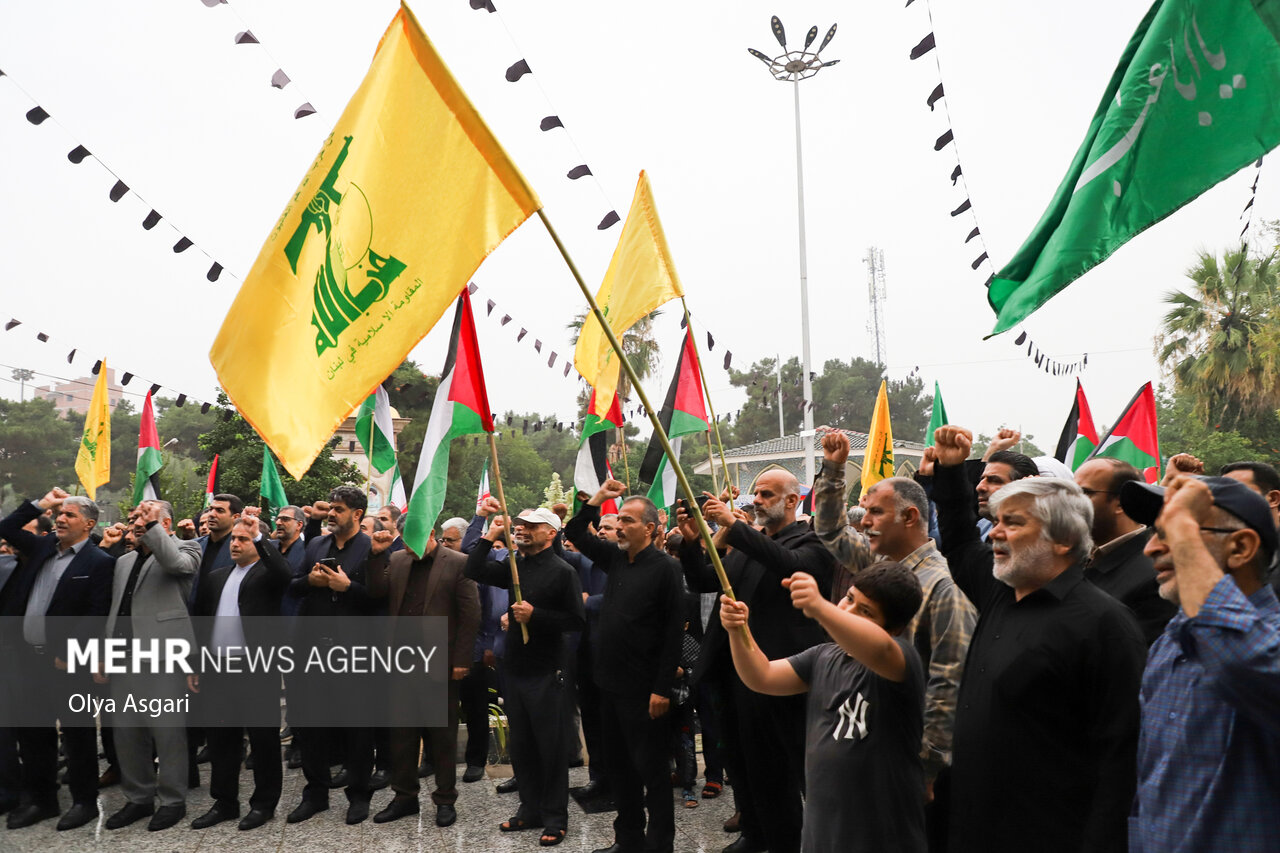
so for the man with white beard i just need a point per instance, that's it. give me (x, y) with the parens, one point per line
(1046, 730)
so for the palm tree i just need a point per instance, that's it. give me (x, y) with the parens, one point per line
(638, 344)
(1222, 339)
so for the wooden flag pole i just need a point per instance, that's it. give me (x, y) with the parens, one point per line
(373, 427)
(715, 485)
(622, 440)
(511, 547)
(691, 500)
(706, 392)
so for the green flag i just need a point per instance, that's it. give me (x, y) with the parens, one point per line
(938, 417)
(272, 488)
(1191, 102)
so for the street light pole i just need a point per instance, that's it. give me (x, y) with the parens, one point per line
(794, 66)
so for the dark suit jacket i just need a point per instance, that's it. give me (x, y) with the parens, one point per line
(84, 590)
(260, 594)
(1126, 574)
(220, 559)
(449, 593)
(755, 567)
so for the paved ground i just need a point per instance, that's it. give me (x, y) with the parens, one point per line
(480, 810)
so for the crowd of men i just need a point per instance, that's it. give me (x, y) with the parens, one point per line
(999, 655)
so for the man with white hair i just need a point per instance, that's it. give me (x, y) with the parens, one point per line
(451, 533)
(1046, 729)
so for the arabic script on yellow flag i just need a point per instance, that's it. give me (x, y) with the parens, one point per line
(93, 461)
(877, 464)
(408, 195)
(640, 277)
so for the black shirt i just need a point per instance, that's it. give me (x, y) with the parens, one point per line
(1046, 728)
(551, 586)
(638, 637)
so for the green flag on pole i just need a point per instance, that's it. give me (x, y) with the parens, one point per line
(272, 489)
(938, 417)
(1191, 102)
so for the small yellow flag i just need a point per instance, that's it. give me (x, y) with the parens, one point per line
(641, 276)
(406, 198)
(877, 464)
(93, 461)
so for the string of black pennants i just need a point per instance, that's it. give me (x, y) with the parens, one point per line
(1247, 215)
(125, 377)
(928, 45)
(279, 79)
(38, 115)
(514, 73)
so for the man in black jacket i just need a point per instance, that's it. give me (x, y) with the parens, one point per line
(533, 671)
(61, 588)
(764, 734)
(249, 590)
(637, 651)
(1117, 565)
(331, 586)
(1046, 732)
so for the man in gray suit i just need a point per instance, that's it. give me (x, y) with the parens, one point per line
(148, 602)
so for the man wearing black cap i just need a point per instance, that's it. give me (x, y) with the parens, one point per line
(1209, 750)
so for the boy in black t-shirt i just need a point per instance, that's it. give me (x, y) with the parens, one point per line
(865, 710)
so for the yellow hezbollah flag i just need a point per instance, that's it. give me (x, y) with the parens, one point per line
(406, 198)
(93, 461)
(877, 464)
(640, 277)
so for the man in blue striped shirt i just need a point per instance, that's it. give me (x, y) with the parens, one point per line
(1209, 749)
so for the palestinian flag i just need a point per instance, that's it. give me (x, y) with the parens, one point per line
(684, 412)
(1079, 437)
(938, 417)
(461, 407)
(1134, 438)
(212, 488)
(271, 488)
(482, 490)
(146, 482)
(377, 437)
(592, 468)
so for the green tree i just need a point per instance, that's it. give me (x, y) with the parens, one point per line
(125, 422)
(37, 449)
(1183, 430)
(239, 449)
(639, 345)
(844, 396)
(1219, 341)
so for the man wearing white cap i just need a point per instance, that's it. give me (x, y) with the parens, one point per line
(551, 606)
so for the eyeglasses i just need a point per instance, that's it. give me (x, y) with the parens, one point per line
(1204, 529)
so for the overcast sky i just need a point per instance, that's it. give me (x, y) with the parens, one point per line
(187, 118)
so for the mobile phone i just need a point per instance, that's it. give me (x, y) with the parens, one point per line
(329, 562)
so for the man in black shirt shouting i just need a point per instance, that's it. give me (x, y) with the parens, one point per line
(638, 645)
(533, 676)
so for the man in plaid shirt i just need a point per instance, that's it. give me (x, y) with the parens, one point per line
(1209, 748)
(896, 527)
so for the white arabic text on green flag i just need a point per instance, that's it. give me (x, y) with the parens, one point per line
(1191, 102)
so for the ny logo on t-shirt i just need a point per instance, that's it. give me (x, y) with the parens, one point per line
(851, 717)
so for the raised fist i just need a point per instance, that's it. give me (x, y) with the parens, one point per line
(952, 445)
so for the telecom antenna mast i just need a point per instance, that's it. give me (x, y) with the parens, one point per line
(876, 295)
